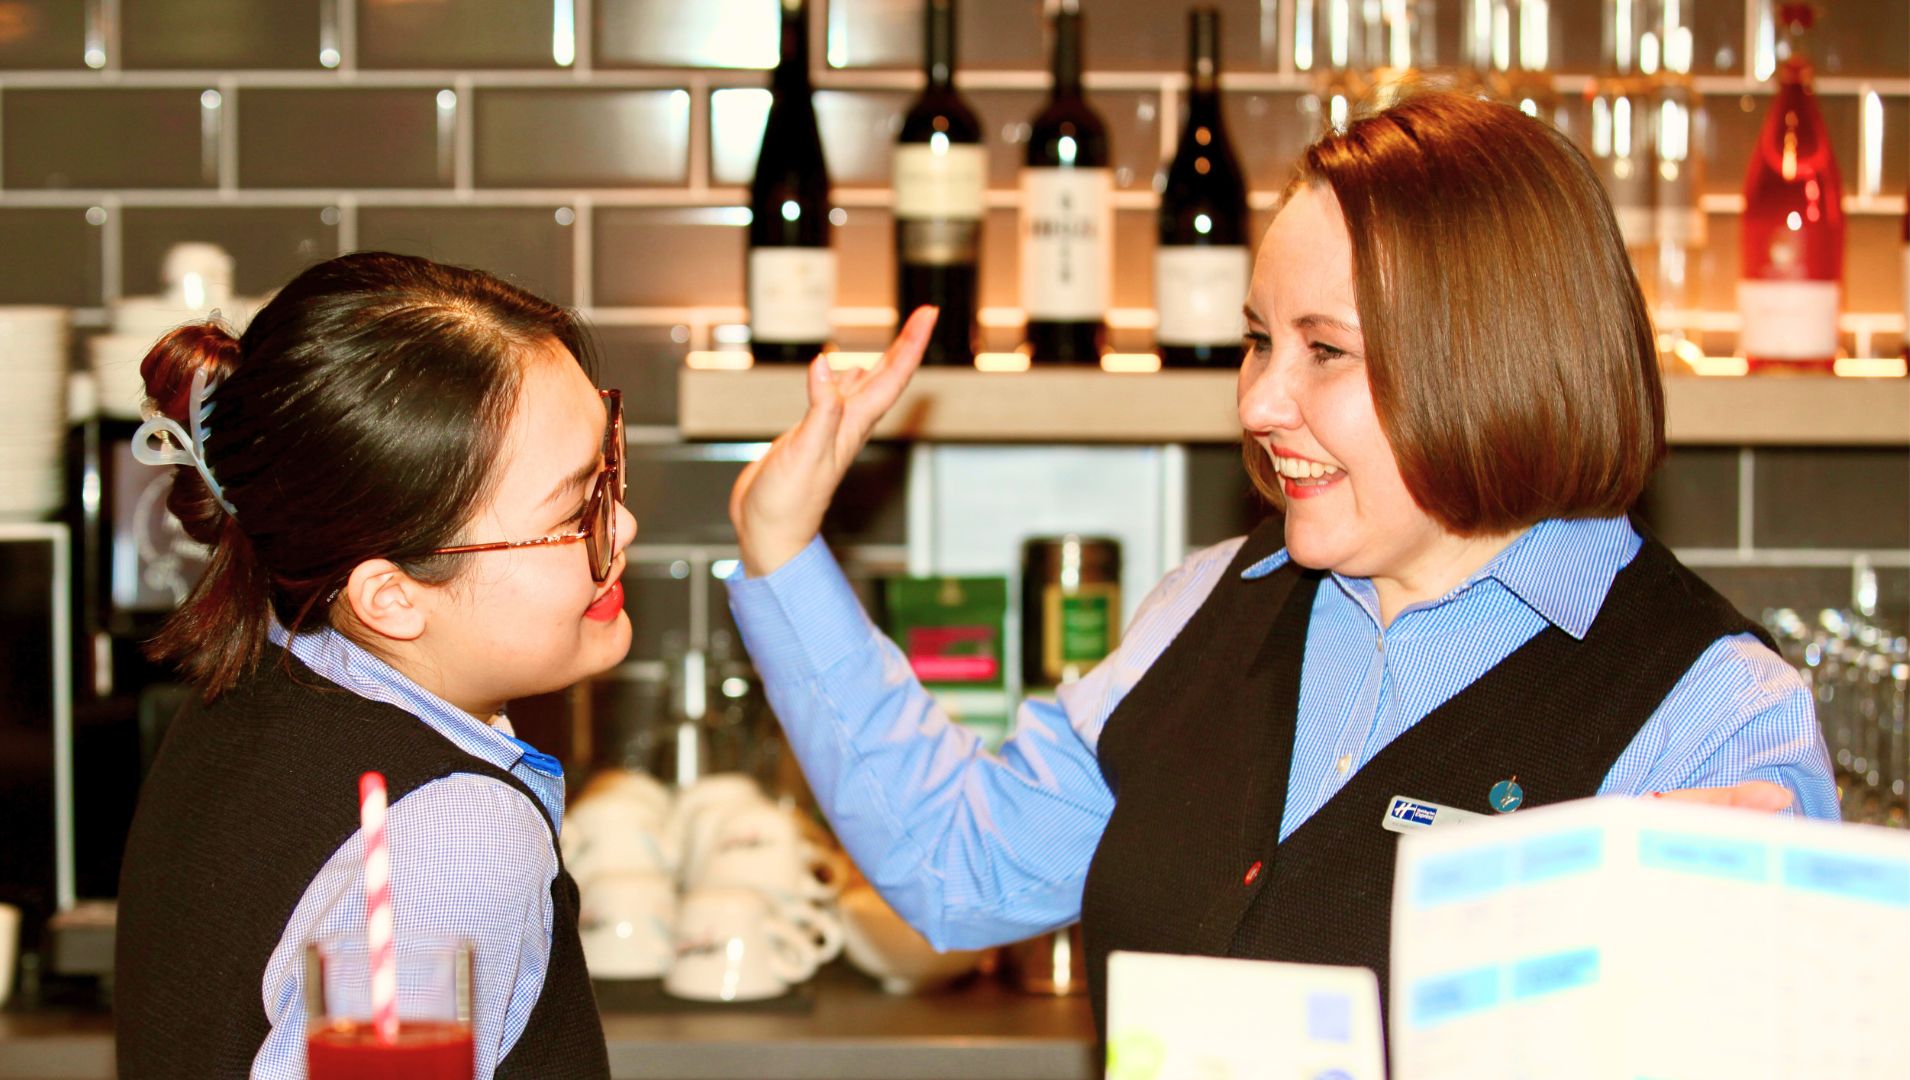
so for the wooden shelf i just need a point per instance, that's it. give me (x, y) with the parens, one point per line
(1065, 406)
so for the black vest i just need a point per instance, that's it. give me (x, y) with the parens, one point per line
(247, 800)
(1199, 754)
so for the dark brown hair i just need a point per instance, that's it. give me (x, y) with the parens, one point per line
(1509, 349)
(359, 416)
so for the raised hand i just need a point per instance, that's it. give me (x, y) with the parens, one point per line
(778, 501)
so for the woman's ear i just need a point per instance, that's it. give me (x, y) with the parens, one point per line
(385, 600)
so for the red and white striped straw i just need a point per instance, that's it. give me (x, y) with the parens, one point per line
(382, 955)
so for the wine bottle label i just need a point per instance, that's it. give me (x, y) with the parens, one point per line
(791, 290)
(939, 241)
(1198, 292)
(1789, 320)
(945, 183)
(1067, 240)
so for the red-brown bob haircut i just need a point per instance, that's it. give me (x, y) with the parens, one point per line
(1508, 346)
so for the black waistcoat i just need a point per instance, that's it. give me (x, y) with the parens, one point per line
(247, 800)
(1198, 756)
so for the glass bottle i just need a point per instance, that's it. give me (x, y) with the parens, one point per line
(792, 271)
(941, 174)
(1202, 262)
(1067, 214)
(1791, 235)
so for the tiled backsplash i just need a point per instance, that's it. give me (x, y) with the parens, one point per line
(595, 151)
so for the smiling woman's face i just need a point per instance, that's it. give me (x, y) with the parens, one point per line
(1305, 402)
(531, 620)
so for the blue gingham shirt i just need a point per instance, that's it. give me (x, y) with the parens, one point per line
(977, 849)
(470, 858)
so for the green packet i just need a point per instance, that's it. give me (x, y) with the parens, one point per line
(950, 628)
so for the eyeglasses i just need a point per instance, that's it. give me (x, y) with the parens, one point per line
(599, 532)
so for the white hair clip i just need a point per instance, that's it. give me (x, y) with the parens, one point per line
(174, 446)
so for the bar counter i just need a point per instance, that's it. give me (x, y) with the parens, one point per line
(981, 1030)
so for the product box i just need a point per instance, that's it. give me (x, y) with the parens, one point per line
(1649, 939)
(1206, 1018)
(950, 628)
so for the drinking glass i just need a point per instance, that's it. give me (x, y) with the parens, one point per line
(434, 1012)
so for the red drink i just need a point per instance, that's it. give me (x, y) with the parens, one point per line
(1791, 276)
(425, 1050)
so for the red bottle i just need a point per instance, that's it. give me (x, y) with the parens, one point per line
(1791, 250)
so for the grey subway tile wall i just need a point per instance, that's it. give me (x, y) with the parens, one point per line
(643, 362)
(676, 257)
(451, 34)
(1832, 498)
(989, 35)
(680, 492)
(1692, 500)
(857, 129)
(106, 138)
(348, 138)
(220, 34)
(671, 33)
(50, 256)
(581, 138)
(533, 247)
(1807, 589)
(268, 245)
(661, 593)
(42, 35)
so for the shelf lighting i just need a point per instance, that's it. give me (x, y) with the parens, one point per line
(1001, 362)
(1870, 367)
(1719, 366)
(843, 361)
(719, 360)
(1130, 363)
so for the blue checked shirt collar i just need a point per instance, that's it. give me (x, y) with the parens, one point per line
(1560, 568)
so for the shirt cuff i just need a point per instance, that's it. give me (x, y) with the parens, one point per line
(802, 619)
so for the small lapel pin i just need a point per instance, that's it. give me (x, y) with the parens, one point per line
(1506, 795)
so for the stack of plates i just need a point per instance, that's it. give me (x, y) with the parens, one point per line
(33, 343)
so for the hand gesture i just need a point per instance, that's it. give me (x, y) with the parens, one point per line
(778, 502)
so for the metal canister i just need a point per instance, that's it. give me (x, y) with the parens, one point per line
(1070, 607)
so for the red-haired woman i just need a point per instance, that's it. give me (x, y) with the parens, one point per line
(1450, 387)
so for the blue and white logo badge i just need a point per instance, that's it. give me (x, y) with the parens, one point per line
(1410, 815)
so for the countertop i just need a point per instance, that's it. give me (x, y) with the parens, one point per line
(853, 1030)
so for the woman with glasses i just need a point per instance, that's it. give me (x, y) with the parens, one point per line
(412, 497)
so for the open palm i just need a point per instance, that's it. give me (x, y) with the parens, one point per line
(778, 502)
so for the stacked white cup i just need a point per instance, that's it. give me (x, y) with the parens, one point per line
(33, 344)
(717, 890)
(617, 845)
(757, 915)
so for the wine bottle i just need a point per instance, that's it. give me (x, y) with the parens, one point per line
(940, 179)
(1202, 263)
(1791, 236)
(1067, 214)
(792, 272)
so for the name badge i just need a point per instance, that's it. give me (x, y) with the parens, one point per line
(1405, 815)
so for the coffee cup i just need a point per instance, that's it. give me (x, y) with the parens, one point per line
(736, 945)
(628, 924)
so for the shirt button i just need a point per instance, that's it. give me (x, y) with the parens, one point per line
(1345, 763)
